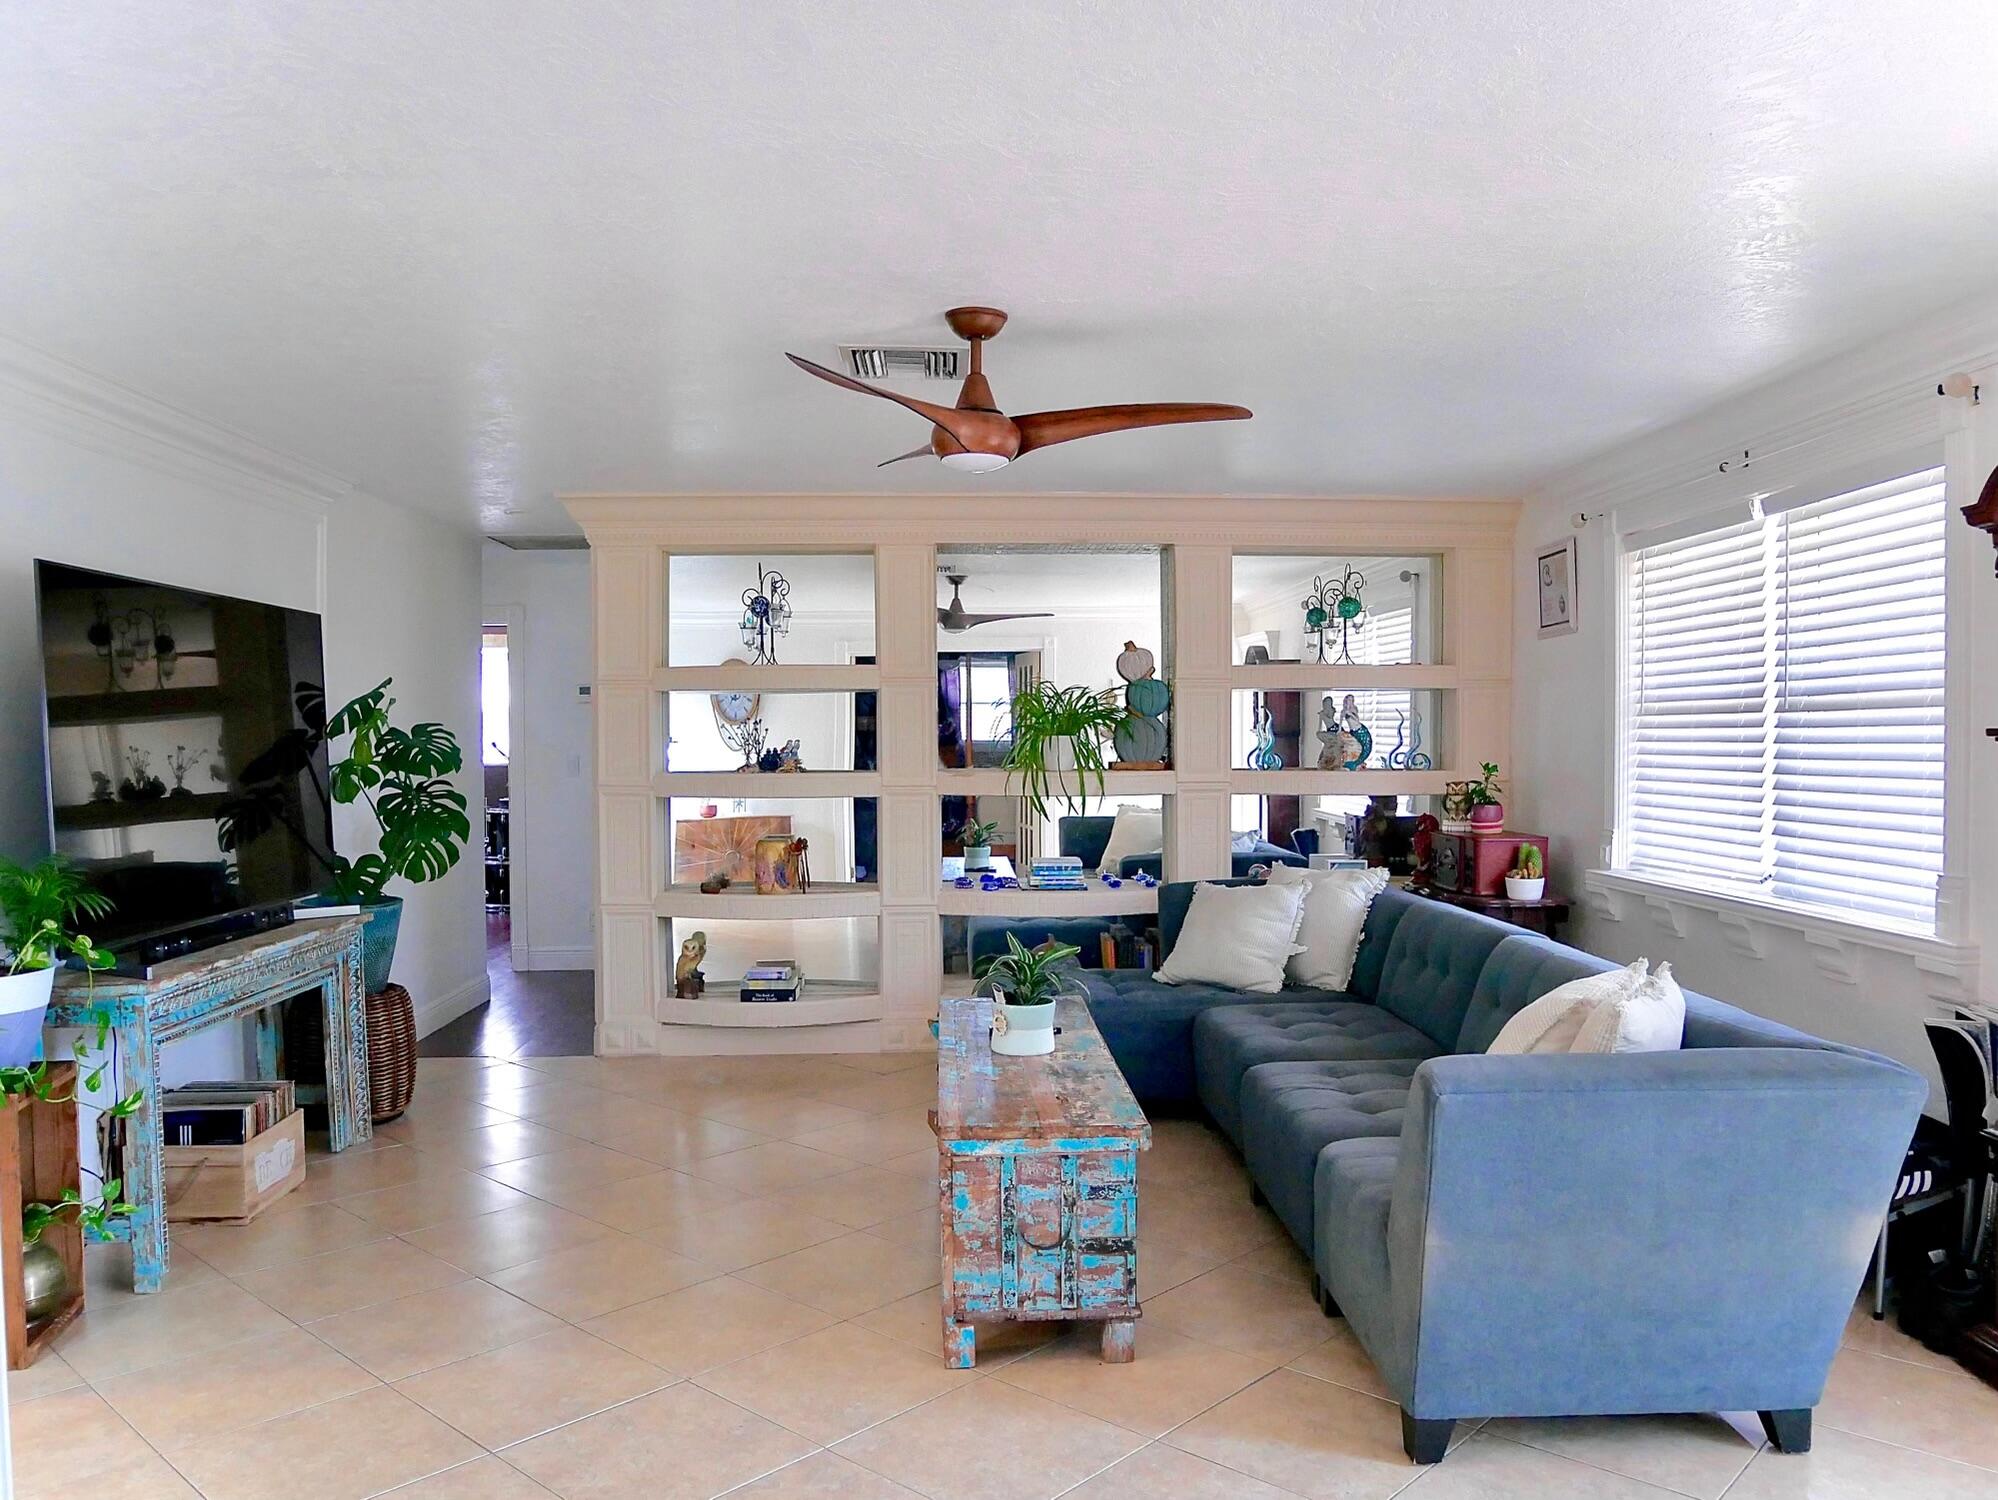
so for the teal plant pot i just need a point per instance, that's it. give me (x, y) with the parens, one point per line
(381, 924)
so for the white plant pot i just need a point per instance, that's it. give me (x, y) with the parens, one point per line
(1022, 1030)
(978, 857)
(24, 999)
(1517, 889)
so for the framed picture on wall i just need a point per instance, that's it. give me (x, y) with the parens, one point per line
(1554, 580)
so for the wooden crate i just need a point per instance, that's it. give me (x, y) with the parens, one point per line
(235, 1183)
(37, 1161)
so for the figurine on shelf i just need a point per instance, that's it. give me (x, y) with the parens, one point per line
(1345, 742)
(716, 883)
(1264, 756)
(789, 758)
(1426, 829)
(1140, 737)
(100, 787)
(688, 980)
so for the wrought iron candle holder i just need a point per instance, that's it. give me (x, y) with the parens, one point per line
(1329, 607)
(766, 614)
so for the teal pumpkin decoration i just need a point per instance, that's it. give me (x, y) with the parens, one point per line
(1140, 739)
(1314, 618)
(1147, 696)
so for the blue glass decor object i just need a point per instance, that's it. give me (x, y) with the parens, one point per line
(1263, 756)
(1408, 727)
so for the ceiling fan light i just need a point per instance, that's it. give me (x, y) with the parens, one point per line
(974, 463)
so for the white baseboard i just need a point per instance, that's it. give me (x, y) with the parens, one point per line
(445, 1009)
(559, 958)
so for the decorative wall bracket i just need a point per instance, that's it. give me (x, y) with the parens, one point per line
(1744, 935)
(1837, 959)
(1674, 916)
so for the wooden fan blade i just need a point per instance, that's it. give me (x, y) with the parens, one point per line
(946, 417)
(922, 452)
(1043, 429)
(971, 620)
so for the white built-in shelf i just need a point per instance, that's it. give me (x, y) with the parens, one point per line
(807, 677)
(740, 902)
(823, 1007)
(766, 784)
(1099, 900)
(1314, 783)
(991, 782)
(1296, 676)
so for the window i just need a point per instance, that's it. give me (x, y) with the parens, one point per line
(494, 699)
(1785, 730)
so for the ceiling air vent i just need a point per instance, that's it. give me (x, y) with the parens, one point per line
(884, 362)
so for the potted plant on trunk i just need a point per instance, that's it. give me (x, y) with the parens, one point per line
(977, 843)
(1487, 812)
(1527, 879)
(40, 904)
(1024, 984)
(1056, 731)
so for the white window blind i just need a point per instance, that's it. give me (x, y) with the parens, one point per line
(1785, 738)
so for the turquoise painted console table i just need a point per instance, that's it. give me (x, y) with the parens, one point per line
(246, 978)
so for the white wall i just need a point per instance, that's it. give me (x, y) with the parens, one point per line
(552, 775)
(98, 477)
(1821, 976)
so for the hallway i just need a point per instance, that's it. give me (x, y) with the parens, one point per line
(551, 1013)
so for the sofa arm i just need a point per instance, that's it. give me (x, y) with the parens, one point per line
(1673, 1231)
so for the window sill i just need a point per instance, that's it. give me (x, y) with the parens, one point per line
(1948, 970)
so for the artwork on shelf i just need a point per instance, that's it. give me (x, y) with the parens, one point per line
(1344, 741)
(1408, 732)
(1263, 755)
(1554, 576)
(1140, 739)
(1329, 607)
(766, 614)
(722, 846)
(781, 867)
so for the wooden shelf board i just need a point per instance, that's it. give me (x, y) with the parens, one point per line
(1099, 900)
(826, 677)
(136, 707)
(195, 807)
(986, 781)
(740, 902)
(1315, 783)
(1297, 676)
(766, 783)
(827, 1008)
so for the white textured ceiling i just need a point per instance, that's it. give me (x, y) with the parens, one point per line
(470, 255)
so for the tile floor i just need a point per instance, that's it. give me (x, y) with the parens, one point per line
(619, 1278)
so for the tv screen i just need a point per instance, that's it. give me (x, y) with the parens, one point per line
(185, 773)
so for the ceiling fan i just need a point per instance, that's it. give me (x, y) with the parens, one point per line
(976, 437)
(957, 618)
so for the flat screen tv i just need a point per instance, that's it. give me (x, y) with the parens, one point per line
(185, 774)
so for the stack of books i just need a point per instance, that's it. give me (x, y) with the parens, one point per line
(772, 979)
(1057, 872)
(230, 1112)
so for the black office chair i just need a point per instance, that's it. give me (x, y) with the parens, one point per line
(1952, 1161)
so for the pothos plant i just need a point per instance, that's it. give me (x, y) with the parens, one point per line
(400, 774)
(1042, 717)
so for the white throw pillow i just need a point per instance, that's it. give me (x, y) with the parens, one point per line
(1239, 936)
(1554, 1022)
(1650, 1018)
(1136, 830)
(1335, 911)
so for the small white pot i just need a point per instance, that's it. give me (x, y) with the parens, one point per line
(1022, 1030)
(24, 999)
(1517, 889)
(978, 857)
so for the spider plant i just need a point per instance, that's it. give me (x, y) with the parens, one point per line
(978, 835)
(1032, 976)
(1042, 717)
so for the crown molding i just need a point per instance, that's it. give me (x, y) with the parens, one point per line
(69, 402)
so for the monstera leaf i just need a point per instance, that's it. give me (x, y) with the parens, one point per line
(309, 698)
(424, 827)
(350, 777)
(362, 879)
(248, 816)
(368, 713)
(425, 750)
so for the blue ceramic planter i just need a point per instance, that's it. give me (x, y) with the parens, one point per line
(381, 922)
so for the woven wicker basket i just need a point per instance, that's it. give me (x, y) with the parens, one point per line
(391, 1021)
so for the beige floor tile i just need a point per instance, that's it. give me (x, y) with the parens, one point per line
(710, 1323)
(1308, 1436)
(1242, 1311)
(770, 1167)
(1224, 1225)
(48, 1374)
(919, 1230)
(550, 1097)
(882, 1063)
(107, 1270)
(743, 1233)
(823, 1476)
(1025, 1446)
(408, 1335)
(1172, 1380)
(1945, 1412)
(1884, 1336)
(148, 1478)
(1280, 1260)
(1161, 1473)
(511, 1237)
(828, 1385)
(863, 1196)
(600, 1276)
(311, 1229)
(895, 1133)
(1342, 1360)
(1188, 1154)
(880, 1096)
(491, 1084)
(782, 1116)
(677, 1444)
(439, 1118)
(342, 1280)
(509, 1394)
(576, 1167)
(679, 1140)
(357, 1446)
(1161, 1268)
(60, 1441)
(351, 1172)
(495, 1144)
(142, 1331)
(637, 1203)
(921, 1165)
(205, 1395)
(437, 1199)
(847, 1276)
(917, 1320)
(1845, 1466)
(1490, 1468)
(482, 1479)
(1697, 1455)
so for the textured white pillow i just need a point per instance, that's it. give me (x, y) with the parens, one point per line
(1136, 830)
(1237, 935)
(1650, 1018)
(1554, 1022)
(1334, 913)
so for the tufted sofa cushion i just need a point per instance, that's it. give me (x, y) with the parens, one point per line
(1293, 1110)
(1520, 970)
(1148, 1026)
(1227, 1043)
(1376, 937)
(1433, 964)
(1353, 1193)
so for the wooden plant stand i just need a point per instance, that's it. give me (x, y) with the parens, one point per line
(38, 1161)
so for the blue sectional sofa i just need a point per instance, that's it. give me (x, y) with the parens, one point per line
(1537, 1235)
